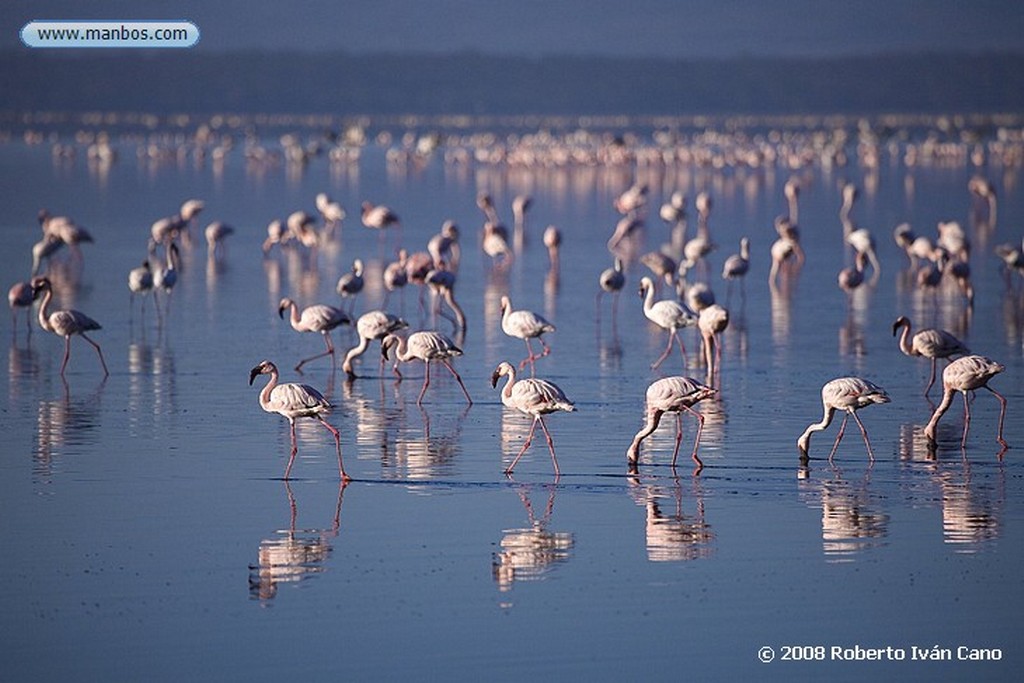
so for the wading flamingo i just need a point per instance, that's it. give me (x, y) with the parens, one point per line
(371, 325)
(316, 318)
(534, 397)
(672, 395)
(525, 325)
(65, 323)
(966, 375)
(930, 343)
(294, 401)
(848, 394)
(667, 314)
(427, 347)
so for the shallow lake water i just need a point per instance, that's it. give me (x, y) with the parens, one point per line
(149, 534)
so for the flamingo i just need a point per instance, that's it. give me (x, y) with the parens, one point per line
(848, 394)
(851, 278)
(395, 276)
(535, 397)
(371, 325)
(378, 217)
(444, 246)
(140, 281)
(495, 245)
(553, 242)
(331, 211)
(21, 295)
(737, 265)
(428, 347)
(669, 315)
(44, 249)
(611, 280)
(672, 395)
(630, 202)
(661, 265)
(166, 276)
(188, 214)
(277, 233)
(294, 401)
(520, 204)
(792, 192)
(966, 375)
(486, 205)
(525, 325)
(930, 343)
(350, 284)
(216, 233)
(316, 318)
(442, 284)
(65, 323)
(711, 322)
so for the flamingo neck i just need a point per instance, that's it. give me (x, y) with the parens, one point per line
(265, 393)
(905, 346)
(826, 420)
(402, 352)
(44, 315)
(294, 316)
(933, 423)
(506, 391)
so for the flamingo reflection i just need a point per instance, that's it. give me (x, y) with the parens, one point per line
(672, 536)
(292, 555)
(850, 521)
(528, 553)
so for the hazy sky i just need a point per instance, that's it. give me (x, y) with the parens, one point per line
(672, 28)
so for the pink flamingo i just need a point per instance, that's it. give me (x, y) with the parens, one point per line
(293, 401)
(427, 347)
(316, 318)
(848, 394)
(672, 395)
(65, 323)
(966, 375)
(930, 343)
(535, 397)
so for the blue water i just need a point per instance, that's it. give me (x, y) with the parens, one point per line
(149, 535)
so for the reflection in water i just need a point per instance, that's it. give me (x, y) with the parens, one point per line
(406, 450)
(850, 522)
(529, 553)
(64, 423)
(970, 513)
(971, 509)
(672, 536)
(292, 555)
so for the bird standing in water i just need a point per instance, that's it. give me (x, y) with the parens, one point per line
(672, 395)
(294, 401)
(930, 343)
(966, 375)
(848, 394)
(534, 397)
(65, 323)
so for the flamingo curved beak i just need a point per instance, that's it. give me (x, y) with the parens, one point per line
(494, 378)
(258, 370)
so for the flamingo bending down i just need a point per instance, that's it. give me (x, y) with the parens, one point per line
(316, 318)
(525, 325)
(371, 325)
(930, 343)
(293, 401)
(535, 397)
(848, 394)
(21, 295)
(966, 375)
(672, 395)
(378, 217)
(216, 233)
(427, 347)
(65, 323)
(711, 322)
(668, 315)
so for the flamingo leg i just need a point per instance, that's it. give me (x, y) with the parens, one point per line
(967, 421)
(99, 352)
(1002, 415)
(679, 438)
(864, 433)
(547, 349)
(529, 439)
(931, 379)
(295, 449)
(682, 349)
(459, 379)
(529, 356)
(67, 354)
(551, 444)
(664, 355)
(298, 368)
(696, 442)
(426, 382)
(337, 443)
(839, 436)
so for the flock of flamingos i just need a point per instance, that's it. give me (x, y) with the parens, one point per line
(943, 259)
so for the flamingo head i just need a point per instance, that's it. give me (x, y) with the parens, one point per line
(285, 304)
(900, 322)
(504, 368)
(265, 367)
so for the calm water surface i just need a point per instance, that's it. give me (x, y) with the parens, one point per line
(149, 535)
